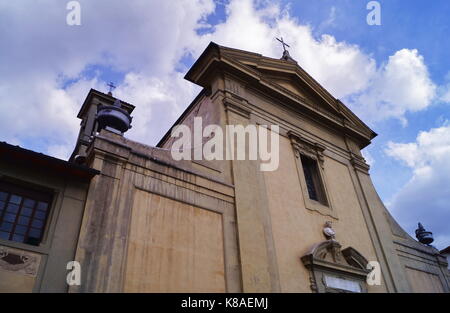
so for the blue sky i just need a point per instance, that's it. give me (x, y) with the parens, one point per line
(395, 76)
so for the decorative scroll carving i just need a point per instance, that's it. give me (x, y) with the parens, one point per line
(23, 262)
(329, 250)
(307, 147)
(312, 282)
(327, 258)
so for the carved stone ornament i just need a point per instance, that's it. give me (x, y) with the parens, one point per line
(326, 259)
(328, 231)
(19, 261)
(359, 163)
(307, 147)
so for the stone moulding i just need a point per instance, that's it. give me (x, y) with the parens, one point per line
(305, 146)
(315, 151)
(239, 107)
(327, 259)
(359, 163)
(19, 261)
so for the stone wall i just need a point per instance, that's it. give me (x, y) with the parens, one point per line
(28, 268)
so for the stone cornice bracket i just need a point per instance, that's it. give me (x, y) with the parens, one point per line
(359, 163)
(307, 147)
(239, 107)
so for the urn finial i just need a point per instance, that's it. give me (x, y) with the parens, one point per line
(425, 237)
(113, 117)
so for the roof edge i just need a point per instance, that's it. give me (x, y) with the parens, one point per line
(32, 158)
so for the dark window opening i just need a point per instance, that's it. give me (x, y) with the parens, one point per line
(23, 213)
(313, 181)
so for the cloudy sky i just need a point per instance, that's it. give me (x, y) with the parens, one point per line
(395, 76)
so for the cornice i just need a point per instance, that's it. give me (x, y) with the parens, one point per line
(359, 163)
(223, 59)
(306, 146)
(235, 106)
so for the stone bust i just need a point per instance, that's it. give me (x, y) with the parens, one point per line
(328, 231)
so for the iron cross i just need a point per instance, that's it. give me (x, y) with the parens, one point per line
(111, 86)
(283, 43)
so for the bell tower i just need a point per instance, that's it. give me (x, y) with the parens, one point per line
(100, 111)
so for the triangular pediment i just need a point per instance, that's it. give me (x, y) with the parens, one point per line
(290, 77)
(282, 78)
(292, 84)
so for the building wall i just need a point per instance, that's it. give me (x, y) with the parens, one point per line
(47, 271)
(174, 247)
(296, 228)
(447, 256)
(422, 281)
(151, 225)
(147, 216)
(358, 214)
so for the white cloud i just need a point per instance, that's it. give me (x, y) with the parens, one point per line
(159, 102)
(39, 50)
(342, 68)
(446, 94)
(368, 156)
(426, 195)
(444, 90)
(146, 40)
(375, 93)
(330, 21)
(406, 152)
(402, 85)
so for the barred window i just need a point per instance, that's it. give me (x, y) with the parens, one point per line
(313, 181)
(23, 213)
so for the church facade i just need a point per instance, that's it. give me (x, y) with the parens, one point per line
(136, 220)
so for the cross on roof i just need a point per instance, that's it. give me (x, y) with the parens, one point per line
(111, 87)
(283, 43)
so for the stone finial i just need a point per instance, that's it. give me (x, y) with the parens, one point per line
(113, 117)
(328, 231)
(425, 237)
(287, 57)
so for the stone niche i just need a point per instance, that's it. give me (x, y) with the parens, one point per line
(334, 270)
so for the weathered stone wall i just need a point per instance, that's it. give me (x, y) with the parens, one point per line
(146, 214)
(143, 212)
(45, 268)
(174, 247)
